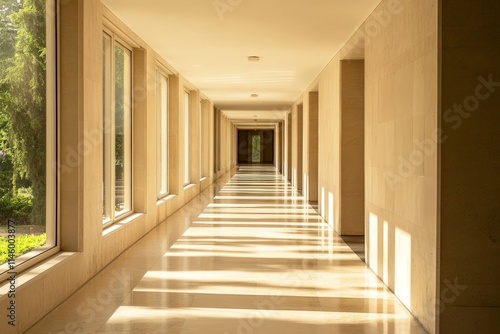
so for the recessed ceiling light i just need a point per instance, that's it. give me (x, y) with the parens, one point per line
(254, 95)
(253, 58)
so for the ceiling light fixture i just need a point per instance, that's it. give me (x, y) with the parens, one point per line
(253, 59)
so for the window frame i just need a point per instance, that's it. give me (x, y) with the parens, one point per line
(52, 154)
(109, 141)
(187, 139)
(163, 165)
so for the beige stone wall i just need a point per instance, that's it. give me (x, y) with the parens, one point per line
(297, 130)
(401, 174)
(329, 143)
(86, 247)
(469, 282)
(306, 137)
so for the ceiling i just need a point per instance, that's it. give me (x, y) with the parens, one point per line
(209, 41)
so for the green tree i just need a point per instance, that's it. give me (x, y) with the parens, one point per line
(24, 101)
(8, 32)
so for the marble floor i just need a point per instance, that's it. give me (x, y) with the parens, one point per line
(247, 256)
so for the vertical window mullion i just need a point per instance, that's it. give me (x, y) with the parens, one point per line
(108, 92)
(127, 131)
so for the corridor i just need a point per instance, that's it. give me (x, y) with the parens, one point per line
(246, 256)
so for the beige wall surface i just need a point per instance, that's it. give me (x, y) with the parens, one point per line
(86, 247)
(470, 164)
(401, 63)
(329, 143)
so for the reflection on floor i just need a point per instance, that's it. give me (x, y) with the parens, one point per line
(254, 259)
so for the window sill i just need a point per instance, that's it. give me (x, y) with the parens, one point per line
(188, 186)
(36, 272)
(121, 224)
(204, 178)
(165, 199)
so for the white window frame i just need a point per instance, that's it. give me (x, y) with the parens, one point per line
(109, 163)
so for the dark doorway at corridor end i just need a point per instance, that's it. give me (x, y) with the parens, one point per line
(255, 146)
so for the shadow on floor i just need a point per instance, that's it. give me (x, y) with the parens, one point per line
(357, 244)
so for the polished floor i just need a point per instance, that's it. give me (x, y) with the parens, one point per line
(247, 256)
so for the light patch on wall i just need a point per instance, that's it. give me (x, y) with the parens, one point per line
(402, 284)
(331, 235)
(331, 209)
(306, 187)
(323, 236)
(386, 252)
(322, 202)
(373, 242)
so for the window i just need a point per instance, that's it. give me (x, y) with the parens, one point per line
(28, 144)
(162, 134)
(117, 119)
(187, 143)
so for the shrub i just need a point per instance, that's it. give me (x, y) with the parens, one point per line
(18, 207)
(24, 244)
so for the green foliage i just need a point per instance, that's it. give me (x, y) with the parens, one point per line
(24, 244)
(18, 207)
(120, 112)
(23, 105)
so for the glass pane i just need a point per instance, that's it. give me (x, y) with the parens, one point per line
(122, 137)
(186, 138)
(163, 135)
(27, 124)
(106, 92)
(256, 148)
